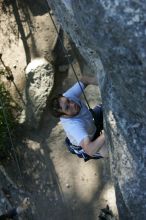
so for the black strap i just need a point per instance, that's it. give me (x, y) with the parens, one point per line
(99, 124)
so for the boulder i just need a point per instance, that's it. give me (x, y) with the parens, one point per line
(39, 82)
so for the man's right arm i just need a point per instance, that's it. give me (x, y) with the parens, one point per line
(92, 147)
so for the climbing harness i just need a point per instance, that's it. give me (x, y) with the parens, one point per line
(77, 150)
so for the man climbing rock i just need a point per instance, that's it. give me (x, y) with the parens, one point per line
(77, 120)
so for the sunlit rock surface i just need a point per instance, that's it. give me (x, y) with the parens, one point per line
(111, 36)
(39, 82)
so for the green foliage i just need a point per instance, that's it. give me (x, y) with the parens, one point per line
(6, 119)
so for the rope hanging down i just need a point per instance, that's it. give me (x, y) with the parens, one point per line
(64, 50)
(8, 129)
(15, 155)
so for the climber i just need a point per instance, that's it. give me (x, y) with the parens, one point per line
(81, 130)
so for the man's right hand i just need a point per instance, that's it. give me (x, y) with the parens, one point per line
(92, 147)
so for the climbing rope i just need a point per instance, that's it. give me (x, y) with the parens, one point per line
(10, 137)
(15, 155)
(12, 144)
(9, 76)
(64, 50)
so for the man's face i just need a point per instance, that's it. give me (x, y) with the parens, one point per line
(68, 107)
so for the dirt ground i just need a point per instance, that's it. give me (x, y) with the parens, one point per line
(60, 185)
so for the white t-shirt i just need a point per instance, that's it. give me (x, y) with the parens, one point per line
(82, 125)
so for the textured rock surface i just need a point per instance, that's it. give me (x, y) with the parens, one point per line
(111, 36)
(39, 82)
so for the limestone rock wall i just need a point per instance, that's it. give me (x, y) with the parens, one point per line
(111, 36)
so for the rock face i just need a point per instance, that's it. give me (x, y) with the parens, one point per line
(111, 36)
(39, 82)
